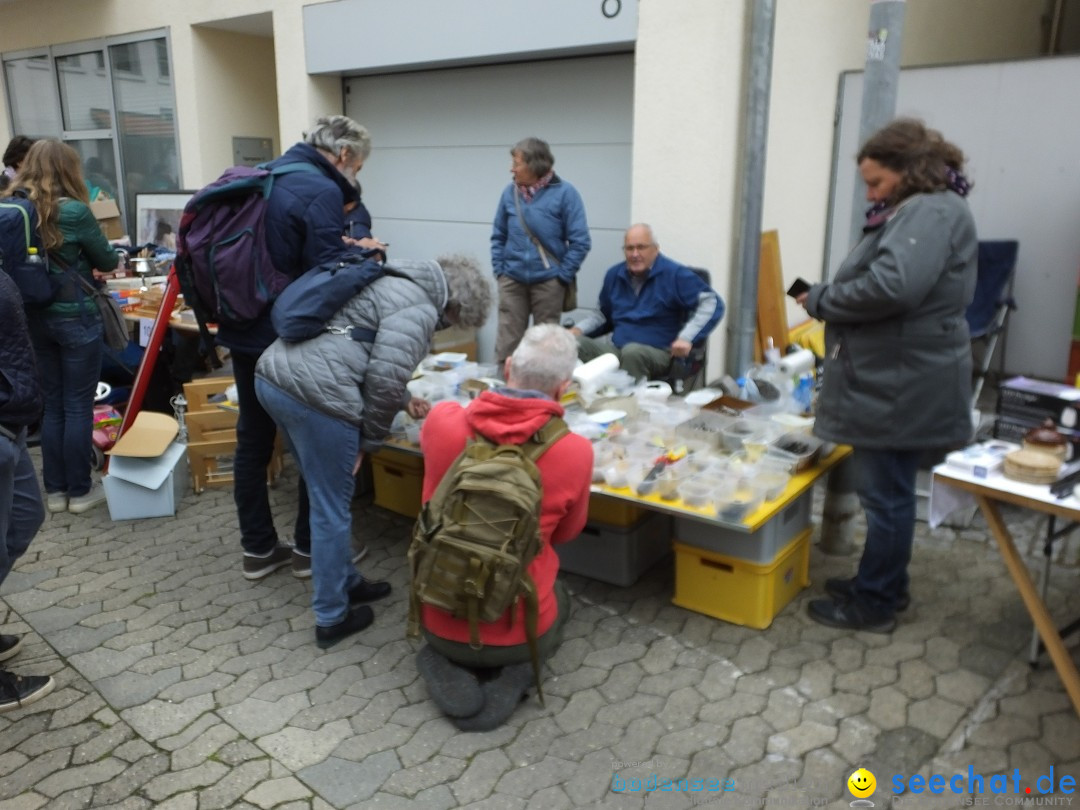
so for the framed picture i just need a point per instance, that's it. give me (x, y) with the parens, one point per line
(157, 217)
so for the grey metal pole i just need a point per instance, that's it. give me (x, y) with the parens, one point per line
(880, 79)
(741, 330)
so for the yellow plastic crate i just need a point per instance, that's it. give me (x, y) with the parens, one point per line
(614, 511)
(398, 479)
(738, 591)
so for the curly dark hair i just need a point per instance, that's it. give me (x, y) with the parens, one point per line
(919, 154)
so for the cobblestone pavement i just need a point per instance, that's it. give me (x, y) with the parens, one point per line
(180, 685)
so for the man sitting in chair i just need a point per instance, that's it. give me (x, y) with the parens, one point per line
(652, 310)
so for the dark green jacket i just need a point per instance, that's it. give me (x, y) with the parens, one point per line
(898, 353)
(84, 248)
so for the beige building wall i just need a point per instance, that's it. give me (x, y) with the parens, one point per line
(689, 96)
(226, 83)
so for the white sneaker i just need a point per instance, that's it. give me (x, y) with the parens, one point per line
(56, 502)
(80, 503)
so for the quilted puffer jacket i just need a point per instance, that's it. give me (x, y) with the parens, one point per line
(359, 382)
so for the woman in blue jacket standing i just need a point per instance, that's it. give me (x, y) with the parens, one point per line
(538, 241)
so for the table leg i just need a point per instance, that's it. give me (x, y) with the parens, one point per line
(1048, 549)
(1055, 647)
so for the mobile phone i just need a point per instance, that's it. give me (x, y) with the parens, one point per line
(799, 286)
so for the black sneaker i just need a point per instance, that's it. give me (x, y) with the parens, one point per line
(357, 620)
(301, 562)
(368, 591)
(454, 688)
(17, 691)
(259, 567)
(9, 646)
(850, 615)
(839, 588)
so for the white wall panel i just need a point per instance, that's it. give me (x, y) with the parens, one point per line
(441, 154)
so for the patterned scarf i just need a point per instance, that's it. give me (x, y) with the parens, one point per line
(881, 212)
(527, 192)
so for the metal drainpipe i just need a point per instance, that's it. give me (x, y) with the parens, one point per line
(740, 346)
(880, 79)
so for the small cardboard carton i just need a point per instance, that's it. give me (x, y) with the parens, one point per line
(147, 469)
(107, 213)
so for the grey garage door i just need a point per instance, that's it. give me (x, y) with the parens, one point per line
(441, 159)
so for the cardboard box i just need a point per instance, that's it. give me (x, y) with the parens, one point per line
(147, 469)
(107, 213)
(455, 339)
(1023, 398)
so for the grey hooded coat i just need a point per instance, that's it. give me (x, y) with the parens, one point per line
(358, 382)
(898, 351)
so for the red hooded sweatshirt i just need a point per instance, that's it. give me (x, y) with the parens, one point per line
(565, 472)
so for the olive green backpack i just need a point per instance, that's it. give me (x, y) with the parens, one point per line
(474, 539)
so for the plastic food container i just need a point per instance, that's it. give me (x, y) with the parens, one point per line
(806, 449)
(735, 502)
(698, 491)
(734, 434)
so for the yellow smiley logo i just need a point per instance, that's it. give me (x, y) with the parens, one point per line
(861, 784)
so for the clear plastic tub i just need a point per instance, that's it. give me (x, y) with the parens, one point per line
(735, 501)
(699, 491)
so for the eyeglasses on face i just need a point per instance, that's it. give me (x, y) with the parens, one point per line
(638, 248)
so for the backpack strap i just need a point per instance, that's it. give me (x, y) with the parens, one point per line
(532, 619)
(541, 441)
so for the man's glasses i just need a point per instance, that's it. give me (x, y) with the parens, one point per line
(637, 248)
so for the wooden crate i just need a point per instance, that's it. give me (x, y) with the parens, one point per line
(198, 393)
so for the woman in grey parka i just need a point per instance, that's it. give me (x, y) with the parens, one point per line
(335, 395)
(897, 376)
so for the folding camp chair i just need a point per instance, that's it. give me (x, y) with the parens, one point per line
(986, 317)
(988, 312)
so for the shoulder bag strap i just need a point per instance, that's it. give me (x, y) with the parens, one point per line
(528, 231)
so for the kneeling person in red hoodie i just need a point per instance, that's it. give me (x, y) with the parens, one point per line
(479, 688)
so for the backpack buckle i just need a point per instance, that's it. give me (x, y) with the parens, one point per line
(358, 333)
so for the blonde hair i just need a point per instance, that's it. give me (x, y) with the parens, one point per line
(49, 171)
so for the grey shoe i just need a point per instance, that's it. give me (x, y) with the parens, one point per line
(56, 502)
(259, 567)
(454, 688)
(502, 694)
(301, 562)
(81, 503)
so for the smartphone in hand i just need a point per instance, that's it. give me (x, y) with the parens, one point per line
(798, 287)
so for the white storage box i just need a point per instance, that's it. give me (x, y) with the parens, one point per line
(615, 554)
(760, 547)
(983, 459)
(148, 471)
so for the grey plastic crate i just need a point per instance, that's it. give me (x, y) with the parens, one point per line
(759, 547)
(615, 554)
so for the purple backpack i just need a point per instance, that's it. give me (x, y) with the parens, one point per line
(222, 262)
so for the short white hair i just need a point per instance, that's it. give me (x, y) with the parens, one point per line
(545, 358)
(332, 133)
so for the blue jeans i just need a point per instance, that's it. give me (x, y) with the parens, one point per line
(886, 489)
(21, 512)
(255, 433)
(69, 357)
(325, 449)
